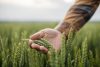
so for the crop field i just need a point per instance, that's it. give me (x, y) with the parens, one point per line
(79, 50)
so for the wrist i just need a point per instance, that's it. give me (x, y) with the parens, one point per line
(58, 29)
(62, 27)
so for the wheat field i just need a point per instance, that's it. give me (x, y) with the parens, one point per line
(79, 50)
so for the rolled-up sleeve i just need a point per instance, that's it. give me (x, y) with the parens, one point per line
(79, 14)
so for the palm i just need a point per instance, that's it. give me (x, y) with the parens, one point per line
(52, 35)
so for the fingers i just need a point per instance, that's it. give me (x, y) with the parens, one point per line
(37, 35)
(30, 42)
(43, 49)
(39, 48)
(35, 46)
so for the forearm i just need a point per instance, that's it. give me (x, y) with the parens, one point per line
(78, 15)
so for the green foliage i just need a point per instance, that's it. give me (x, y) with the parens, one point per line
(80, 50)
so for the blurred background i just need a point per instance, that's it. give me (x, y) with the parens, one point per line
(37, 10)
(21, 18)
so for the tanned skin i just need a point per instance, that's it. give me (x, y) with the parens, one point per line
(75, 18)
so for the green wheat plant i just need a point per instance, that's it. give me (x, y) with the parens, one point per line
(79, 49)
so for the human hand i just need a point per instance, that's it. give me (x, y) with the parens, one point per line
(53, 36)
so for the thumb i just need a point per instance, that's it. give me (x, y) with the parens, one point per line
(37, 35)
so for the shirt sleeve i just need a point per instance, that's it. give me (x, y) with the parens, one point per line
(79, 14)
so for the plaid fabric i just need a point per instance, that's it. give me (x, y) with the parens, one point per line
(79, 14)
